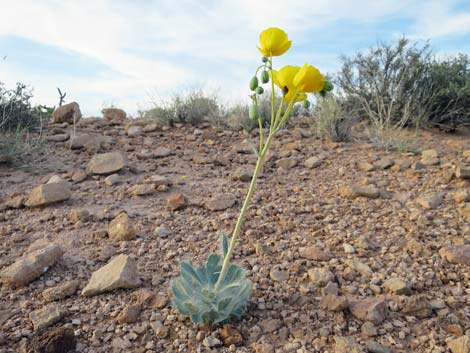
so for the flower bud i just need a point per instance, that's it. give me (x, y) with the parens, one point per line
(264, 59)
(264, 76)
(306, 104)
(253, 112)
(328, 86)
(253, 83)
(259, 90)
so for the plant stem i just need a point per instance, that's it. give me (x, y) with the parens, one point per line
(273, 96)
(246, 203)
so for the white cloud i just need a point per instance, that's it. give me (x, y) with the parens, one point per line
(150, 45)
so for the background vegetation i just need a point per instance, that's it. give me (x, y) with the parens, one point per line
(20, 123)
(388, 88)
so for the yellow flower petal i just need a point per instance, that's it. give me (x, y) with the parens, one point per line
(283, 78)
(309, 79)
(273, 41)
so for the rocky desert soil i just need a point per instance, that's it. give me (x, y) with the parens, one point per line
(350, 248)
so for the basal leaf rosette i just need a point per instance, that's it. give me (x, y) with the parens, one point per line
(195, 295)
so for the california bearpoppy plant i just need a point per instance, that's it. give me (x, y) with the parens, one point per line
(219, 290)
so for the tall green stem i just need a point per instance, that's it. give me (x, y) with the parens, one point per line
(246, 203)
(273, 96)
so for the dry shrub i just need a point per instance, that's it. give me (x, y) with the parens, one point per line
(330, 119)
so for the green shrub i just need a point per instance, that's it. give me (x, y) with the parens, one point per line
(402, 85)
(330, 119)
(17, 112)
(450, 80)
(20, 147)
(196, 107)
(163, 115)
(192, 108)
(19, 122)
(382, 85)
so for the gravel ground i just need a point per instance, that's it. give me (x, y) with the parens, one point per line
(350, 248)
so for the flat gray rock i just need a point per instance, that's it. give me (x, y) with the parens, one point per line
(121, 272)
(31, 266)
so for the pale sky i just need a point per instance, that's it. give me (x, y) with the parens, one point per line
(130, 53)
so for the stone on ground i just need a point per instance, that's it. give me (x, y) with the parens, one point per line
(176, 202)
(286, 163)
(320, 276)
(31, 266)
(121, 272)
(67, 113)
(313, 162)
(46, 316)
(397, 286)
(106, 163)
(314, 253)
(121, 228)
(134, 131)
(462, 196)
(221, 202)
(242, 174)
(61, 291)
(114, 115)
(142, 189)
(459, 345)
(463, 171)
(372, 309)
(384, 163)
(430, 201)
(130, 314)
(356, 190)
(46, 194)
(347, 345)
(457, 254)
(54, 340)
(161, 152)
(334, 303)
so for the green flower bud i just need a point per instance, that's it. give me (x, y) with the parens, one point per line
(264, 76)
(259, 90)
(264, 59)
(253, 83)
(253, 112)
(328, 86)
(306, 104)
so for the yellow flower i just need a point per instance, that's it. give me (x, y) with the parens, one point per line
(284, 80)
(309, 79)
(273, 41)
